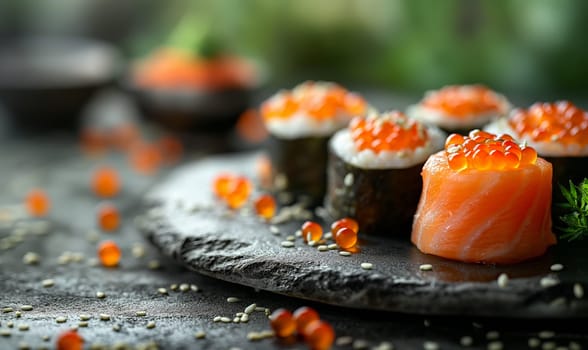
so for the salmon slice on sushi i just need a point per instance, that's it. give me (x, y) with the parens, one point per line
(373, 171)
(460, 108)
(485, 199)
(300, 123)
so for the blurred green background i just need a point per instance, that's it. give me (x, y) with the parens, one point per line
(522, 47)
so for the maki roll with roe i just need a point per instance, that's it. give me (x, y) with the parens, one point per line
(486, 199)
(373, 171)
(460, 108)
(300, 123)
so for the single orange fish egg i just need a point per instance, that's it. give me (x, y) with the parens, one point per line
(109, 254)
(37, 203)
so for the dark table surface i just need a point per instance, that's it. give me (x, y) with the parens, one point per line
(66, 243)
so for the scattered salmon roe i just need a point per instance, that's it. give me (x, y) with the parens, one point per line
(106, 182)
(391, 132)
(346, 238)
(319, 335)
(265, 206)
(145, 158)
(222, 185)
(283, 323)
(345, 222)
(109, 254)
(123, 136)
(37, 203)
(304, 316)
(108, 217)
(250, 127)
(318, 100)
(485, 151)
(561, 121)
(69, 340)
(171, 148)
(311, 231)
(232, 189)
(465, 100)
(94, 141)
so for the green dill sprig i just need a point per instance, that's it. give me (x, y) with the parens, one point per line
(576, 220)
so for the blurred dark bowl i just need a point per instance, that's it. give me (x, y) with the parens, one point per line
(46, 82)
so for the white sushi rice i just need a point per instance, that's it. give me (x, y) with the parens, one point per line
(344, 147)
(445, 120)
(549, 149)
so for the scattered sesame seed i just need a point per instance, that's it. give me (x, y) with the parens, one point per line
(287, 244)
(426, 267)
(5, 333)
(367, 266)
(150, 325)
(45, 338)
(384, 346)
(575, 346)
(116, 328)
(311, 243)
(23, 327)
(225, 320)
(84, 317)
(173, 287)
(249, 309)
(233, 300)
(138, 251)
(466, 341)
(333, 246)
(291, 238)
(578, 291)
(548, 345)
(245, 318)
(344, 253)
(7, 310)
(556, 267)
(260, 308)
(548, 281)
(184, 287)
(153, 265)
(104, 317)
(360, 344)
(100, 295)
(83, 324)
(477, 325)
(236, 319)
(546, 334)
(254, 336)
(502, 280)
(141, 313)
(492, 335)
(26, 307)
(557, 302)
(162, 291)
(48, 283)
(18, 314)
(343, 341)
(298, 233)
(31, 258)
(426, 323)
(322, 248)
(216, 319)
(430, 345)
(328, 235)
(61, 319)
(274, 229)
(495, 345)
(348, 179)
(194, 288)
(200, 335)
(23, 346)
(9, 324)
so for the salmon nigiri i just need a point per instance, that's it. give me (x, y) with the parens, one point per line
(485, 199)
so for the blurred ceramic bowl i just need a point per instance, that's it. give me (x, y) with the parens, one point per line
(45, 82)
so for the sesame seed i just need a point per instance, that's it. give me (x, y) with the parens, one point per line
(23, 327)
(245, 318)
(502, 280)
(100, 295)
(348, 179)
(575, 346)
(47, 283)
(249, 309)
(225, 320)
(150, 325)
(216, 319)
(578, 291)
(343, 341)
(426, 267)
(233, 300)
(495, 345)
(141, 313)
(253, 336)
(162, 291)
(274, 229)
(18, 314)
(426, 323)
(287, 244)
(61, 319)
(84, 317)
(328, 235)
(116, 328)
(367, 266)
(7, 310)
(466, 341)
(344, 253)
(200, 335)
(45, 338)
(291, 238)
(153, 265)
(298, 233)
(492, 335)
(360, 344)
(557, 302)
(260, 308)
(104, 317)
(31, 258)
(194, 288)
(477, 325)
(548, 345)
(556, 267)
(384, 346)
(236, 319)
(26, 307)
(430, 345)
(23, 346)
(548, 281)
(83, 324)
(173, 287)
(184, 287)
(310, 243)
(333, 246)
(546, 334)
(5, 333)
(322, 248)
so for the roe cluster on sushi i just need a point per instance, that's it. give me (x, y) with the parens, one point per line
(460, 108)
(300, 123)
(559, 133)
(373, 170)
(485, 199)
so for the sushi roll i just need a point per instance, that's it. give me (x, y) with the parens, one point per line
(373, 171)
(300, 123)
(485, 199)
(559, 133)
(460, 108)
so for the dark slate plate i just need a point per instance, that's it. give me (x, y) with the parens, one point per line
(182, 218)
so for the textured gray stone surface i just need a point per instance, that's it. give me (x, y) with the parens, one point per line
(188, 224)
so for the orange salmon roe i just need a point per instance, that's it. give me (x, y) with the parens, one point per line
(222, 184)
(304, 316)
(319, 100)
(37, 203)
(145, 158)
(319, 335)
(69, 340)
(123, 136)
(464, 100)
(392, 131)
(485, 151)
(108, 217)
(105, 182)
(265, 206)
(345, 222)
(311, 231)
(346, 238)
(232, 189)
(109, 254)
(94, 141)
(283, 323)
(560, 122)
